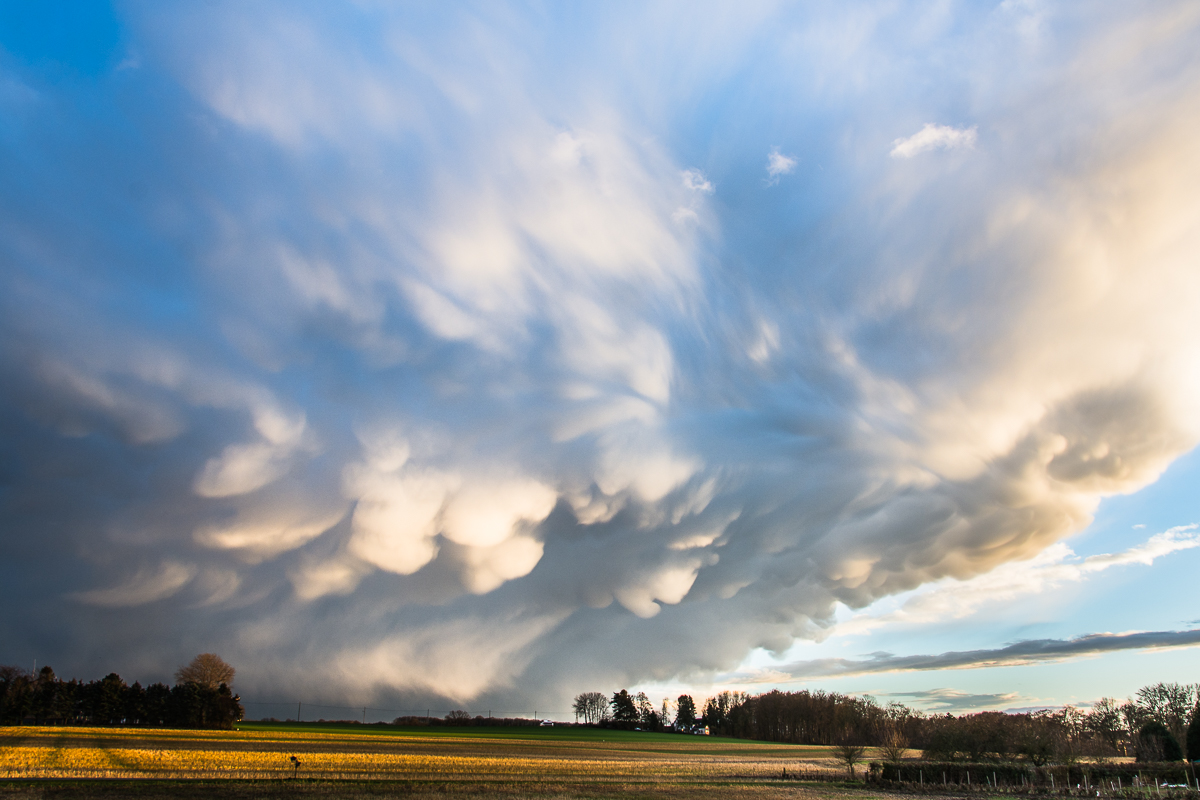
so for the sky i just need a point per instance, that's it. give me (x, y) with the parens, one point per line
(476, 355)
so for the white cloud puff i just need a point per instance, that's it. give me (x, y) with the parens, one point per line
(934, 137)
(694, 181)
(778, 164)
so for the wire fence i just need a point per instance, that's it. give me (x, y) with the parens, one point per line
(300, 711)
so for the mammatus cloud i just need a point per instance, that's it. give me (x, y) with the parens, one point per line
(934, 137)
(1034, 651)
(401, 355)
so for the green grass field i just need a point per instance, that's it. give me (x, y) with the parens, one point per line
(534, 732)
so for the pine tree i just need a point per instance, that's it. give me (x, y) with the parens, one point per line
(1155, 743)
(1193, 735)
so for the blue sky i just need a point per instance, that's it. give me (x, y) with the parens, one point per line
(483, 354)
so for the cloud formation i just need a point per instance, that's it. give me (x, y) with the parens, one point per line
(1033, 651)
(1050, 569)
(778, 164)
(952, 701)
(460, 354)
(934, 137)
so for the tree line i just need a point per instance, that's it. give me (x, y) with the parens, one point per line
(201, 698)
(1160, 723)
(635, 711)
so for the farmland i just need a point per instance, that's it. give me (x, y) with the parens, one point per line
(366, 760)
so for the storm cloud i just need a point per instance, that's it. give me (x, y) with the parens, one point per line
(464, 353)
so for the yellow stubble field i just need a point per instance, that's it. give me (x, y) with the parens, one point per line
(324, 753)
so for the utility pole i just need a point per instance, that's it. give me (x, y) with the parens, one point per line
(364, 715)
(298, 711)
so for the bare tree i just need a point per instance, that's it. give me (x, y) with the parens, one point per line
(1170, 704)
(849, 754)
(895, 745)
(1105, 723)
(645, 709)
(458, 715)
(591, 707)
(206, 669)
